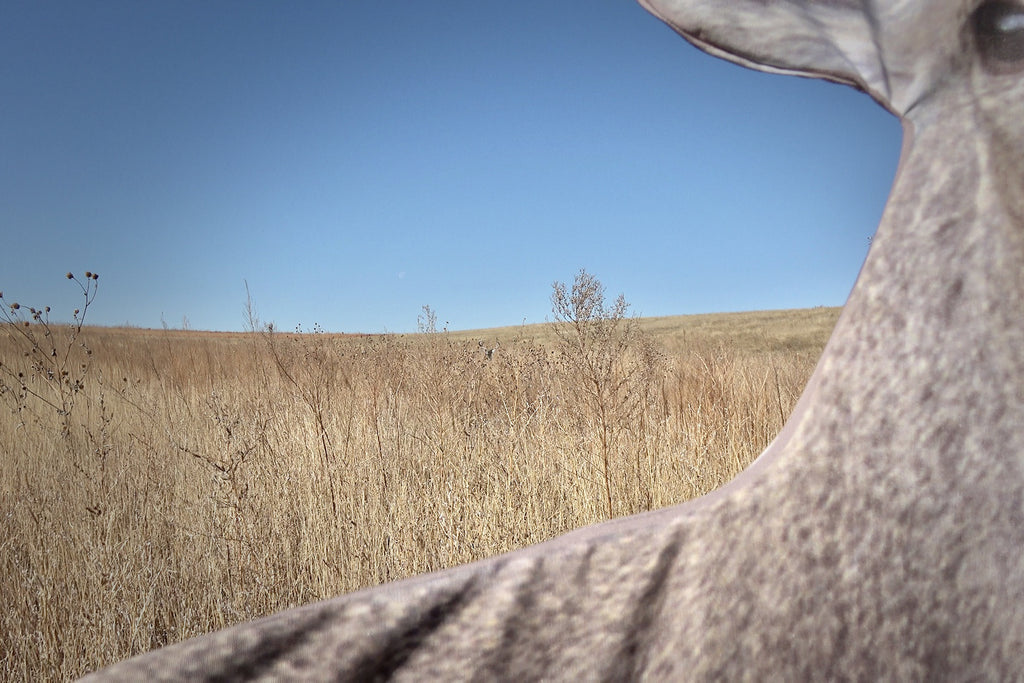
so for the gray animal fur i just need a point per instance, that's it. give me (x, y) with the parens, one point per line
(881, 534)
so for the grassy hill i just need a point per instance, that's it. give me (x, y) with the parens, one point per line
(799, 330)
(155, 485)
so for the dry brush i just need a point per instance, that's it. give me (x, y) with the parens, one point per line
(206, 479)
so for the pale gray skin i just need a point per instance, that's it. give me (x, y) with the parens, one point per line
(881, 534)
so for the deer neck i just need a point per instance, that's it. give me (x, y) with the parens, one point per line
(927, 358)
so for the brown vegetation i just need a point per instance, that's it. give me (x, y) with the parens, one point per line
(199, 480)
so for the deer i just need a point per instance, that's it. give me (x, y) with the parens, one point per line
(880, 535)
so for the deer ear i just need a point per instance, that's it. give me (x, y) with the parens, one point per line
(830, 39)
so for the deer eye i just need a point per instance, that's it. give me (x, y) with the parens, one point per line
(999, 30)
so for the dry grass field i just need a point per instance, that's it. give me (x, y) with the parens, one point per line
(172, 483)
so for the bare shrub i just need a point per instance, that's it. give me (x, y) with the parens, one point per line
(55, 362)
(615, 369)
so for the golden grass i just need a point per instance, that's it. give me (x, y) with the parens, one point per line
(207, 479)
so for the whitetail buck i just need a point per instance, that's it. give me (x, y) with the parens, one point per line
(882, 533)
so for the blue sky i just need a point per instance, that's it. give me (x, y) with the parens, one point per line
(354, 160)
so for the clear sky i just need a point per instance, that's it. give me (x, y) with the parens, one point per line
(354, 160)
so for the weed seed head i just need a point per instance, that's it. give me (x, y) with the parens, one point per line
(69, 275)
(15, 306)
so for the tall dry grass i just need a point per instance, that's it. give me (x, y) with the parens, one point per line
(206, 479)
